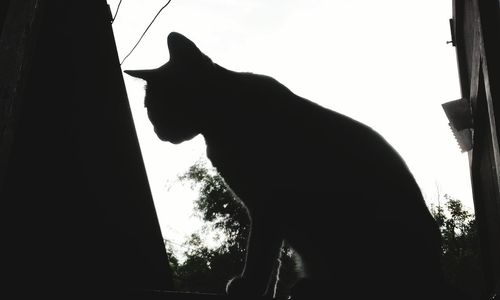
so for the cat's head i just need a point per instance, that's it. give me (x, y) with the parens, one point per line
(175, 90)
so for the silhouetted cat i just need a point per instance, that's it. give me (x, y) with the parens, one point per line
(330, 186)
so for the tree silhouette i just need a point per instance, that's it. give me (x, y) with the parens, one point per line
(460, 247)
(208, 270)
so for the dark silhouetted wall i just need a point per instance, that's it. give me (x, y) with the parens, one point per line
(77, 212)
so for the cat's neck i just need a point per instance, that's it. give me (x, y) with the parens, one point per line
(229, 101)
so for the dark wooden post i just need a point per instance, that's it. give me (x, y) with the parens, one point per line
(489, 14)
(77, 216)
(19, 23)
(476, 30)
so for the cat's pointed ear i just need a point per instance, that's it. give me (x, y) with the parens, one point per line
(142, 74)
(183, 50)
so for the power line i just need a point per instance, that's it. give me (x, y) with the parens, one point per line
(144, 33)
(116, 11)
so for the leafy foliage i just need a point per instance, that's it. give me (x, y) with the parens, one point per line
(217, 203)
(460, 246)
(208, 270)
(205, 269)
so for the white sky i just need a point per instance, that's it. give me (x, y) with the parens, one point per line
(385, 63)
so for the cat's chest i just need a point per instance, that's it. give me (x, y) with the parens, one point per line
(232, 162)
(243, 166)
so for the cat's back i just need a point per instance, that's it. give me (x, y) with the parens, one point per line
(271, 128)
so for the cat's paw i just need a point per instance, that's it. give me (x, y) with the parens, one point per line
(241, 286)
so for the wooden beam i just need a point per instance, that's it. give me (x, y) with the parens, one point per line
(76, 211)
(485, 159)
(490, 48)
(475, 63)
(17, 41)
(4, 8)
(477, 40)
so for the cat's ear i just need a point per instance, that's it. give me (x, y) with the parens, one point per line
(142, 74)
(184, 50)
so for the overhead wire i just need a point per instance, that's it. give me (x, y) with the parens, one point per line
(145, 31)
(116, 11)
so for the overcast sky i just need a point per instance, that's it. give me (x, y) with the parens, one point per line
(385, 63)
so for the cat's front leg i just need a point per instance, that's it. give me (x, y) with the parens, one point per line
(263, 248)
